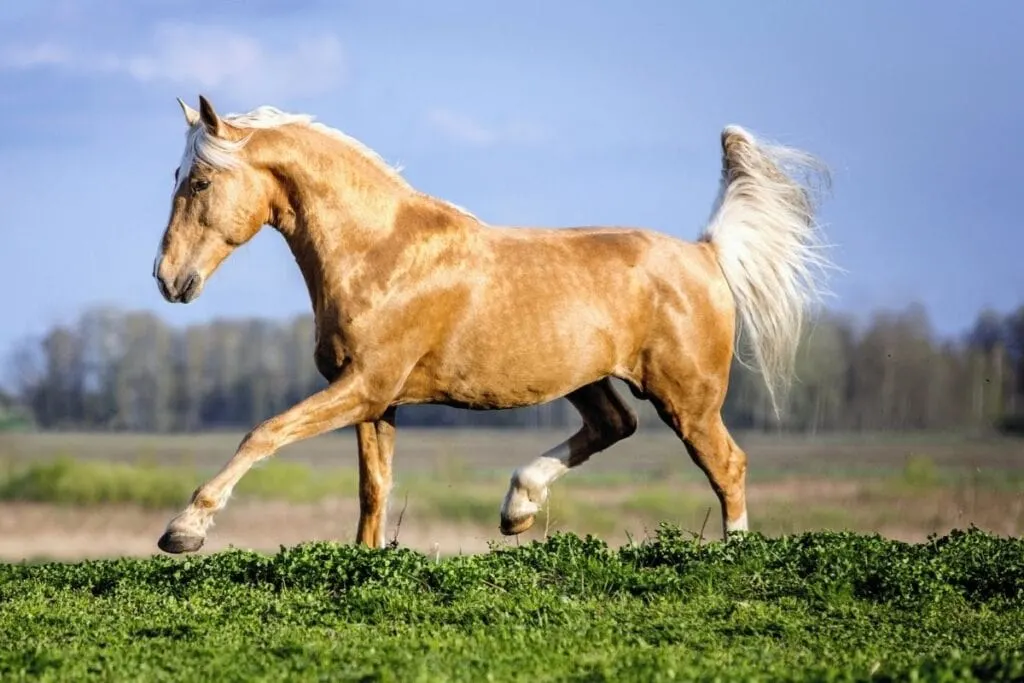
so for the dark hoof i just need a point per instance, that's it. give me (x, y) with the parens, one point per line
(513, 527)
(176, 542)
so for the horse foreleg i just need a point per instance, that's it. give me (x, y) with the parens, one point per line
(343, 403)
(376, 448)
(607, 419)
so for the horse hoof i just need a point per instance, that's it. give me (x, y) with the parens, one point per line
(513, 527)
(176, 542)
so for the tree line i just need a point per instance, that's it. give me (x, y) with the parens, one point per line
(128, 370)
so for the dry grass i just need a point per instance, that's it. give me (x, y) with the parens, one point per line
(117, 491)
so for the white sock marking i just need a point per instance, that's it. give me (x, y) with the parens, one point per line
(738, 524)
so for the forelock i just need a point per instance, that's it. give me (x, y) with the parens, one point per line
(217, 153)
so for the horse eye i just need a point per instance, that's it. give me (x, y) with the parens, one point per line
(200, 185)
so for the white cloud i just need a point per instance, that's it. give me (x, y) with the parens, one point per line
(468, 130)
(204, 57)
(28, 57)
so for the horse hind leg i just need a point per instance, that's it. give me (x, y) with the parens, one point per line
(607, 419)
(711, 447)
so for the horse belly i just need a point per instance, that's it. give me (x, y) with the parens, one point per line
(533, 359)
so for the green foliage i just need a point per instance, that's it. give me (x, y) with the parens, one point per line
(815, 606)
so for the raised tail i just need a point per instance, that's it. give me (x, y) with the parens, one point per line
(769, 248)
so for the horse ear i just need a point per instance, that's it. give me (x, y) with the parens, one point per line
(209, 117)
(191, 115)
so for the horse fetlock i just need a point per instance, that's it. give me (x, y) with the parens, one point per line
(530, 482)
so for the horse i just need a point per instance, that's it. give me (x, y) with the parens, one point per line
(417, 301)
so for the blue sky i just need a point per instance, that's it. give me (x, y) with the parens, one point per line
(552, 113)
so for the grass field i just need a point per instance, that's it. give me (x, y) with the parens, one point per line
(839, 581)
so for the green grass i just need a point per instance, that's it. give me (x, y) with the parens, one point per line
(91, 482)
(824, 606)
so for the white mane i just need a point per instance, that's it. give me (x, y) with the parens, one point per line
(222, 154)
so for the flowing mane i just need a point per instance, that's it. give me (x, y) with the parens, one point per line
(222, 154)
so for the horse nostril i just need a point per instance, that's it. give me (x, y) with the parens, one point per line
(189, 289)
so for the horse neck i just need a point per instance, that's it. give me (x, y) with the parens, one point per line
(333, 205)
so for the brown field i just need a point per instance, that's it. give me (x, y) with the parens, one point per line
(450, 485)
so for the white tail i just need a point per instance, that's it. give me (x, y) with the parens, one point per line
(768, 246)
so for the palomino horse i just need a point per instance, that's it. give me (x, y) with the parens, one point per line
(417, 301)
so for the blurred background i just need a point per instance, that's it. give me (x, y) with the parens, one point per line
(909, 410)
